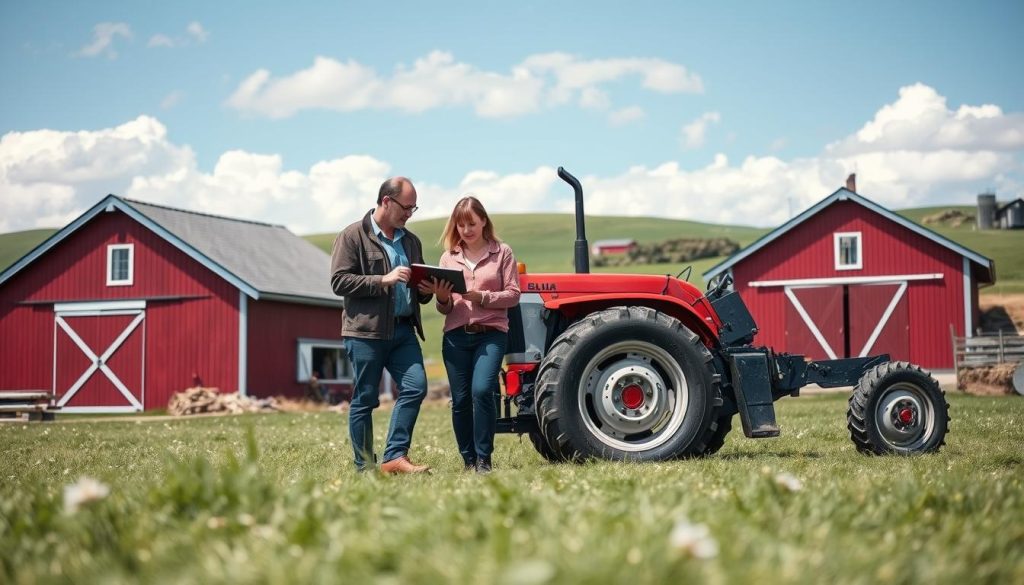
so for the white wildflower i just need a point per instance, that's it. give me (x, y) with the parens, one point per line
(215, 522)
(83, 492)
(694, 540)
(789, 482)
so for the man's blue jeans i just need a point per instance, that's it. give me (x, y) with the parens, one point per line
(473, 361)
(403, 359)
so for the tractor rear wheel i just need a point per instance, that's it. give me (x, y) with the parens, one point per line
(897, 408)
(717, 439)
(545, 450)
(628, 383)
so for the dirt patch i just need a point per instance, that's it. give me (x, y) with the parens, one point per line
(988, 380)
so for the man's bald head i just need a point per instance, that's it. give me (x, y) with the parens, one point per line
(393, 188)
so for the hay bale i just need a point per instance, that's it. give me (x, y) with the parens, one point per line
(995, 380)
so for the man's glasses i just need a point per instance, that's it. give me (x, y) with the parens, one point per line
(407, 208)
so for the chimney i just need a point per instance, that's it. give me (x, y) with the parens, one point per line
(851, 182)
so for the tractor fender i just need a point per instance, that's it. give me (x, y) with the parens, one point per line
(577, 307)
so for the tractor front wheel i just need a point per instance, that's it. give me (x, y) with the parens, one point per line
(897, 408)
(627, 383)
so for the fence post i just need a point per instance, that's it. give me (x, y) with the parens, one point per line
(956, 366)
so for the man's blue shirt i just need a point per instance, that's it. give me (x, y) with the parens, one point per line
(396, 256)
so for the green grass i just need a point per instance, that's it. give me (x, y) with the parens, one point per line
(1002, 246)
(16, 244)
(188, 505)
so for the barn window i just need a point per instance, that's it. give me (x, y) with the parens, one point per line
(120, 264)
(848, 251)
(324, 357)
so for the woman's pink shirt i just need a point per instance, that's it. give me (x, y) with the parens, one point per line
(496, 276)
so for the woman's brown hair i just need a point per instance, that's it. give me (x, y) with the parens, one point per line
(463, 208)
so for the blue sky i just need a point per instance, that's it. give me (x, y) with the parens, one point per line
(294, 112)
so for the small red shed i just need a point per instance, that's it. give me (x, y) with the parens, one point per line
(611, 247)
(132, 302)
(849, 278)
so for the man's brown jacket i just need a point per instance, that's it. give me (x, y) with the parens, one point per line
(358, 266)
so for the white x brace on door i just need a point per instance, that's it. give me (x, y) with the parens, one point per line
(98, 361)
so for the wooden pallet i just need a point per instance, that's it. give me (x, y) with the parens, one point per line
(27, 405)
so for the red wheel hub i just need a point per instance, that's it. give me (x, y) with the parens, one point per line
(906, 415)
(633, 396)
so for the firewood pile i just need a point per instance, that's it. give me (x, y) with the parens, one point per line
(201, 400)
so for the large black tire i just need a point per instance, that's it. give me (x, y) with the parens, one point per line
(717, 439)
(545, 450)
(897, 408)
(628, 383)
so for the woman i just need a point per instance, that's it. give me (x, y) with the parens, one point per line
(475, 325)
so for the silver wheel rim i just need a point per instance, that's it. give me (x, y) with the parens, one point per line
(905, 416)
(617, 378)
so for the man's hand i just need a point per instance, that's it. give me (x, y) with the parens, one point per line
(400, 274)
(474, 296)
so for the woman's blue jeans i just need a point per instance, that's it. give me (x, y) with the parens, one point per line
(473, 361)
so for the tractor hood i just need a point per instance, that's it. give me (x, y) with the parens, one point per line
(572, 285)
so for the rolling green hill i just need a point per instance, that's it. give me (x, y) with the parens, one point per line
(545, 241)
(16, 244)
(1004, 247)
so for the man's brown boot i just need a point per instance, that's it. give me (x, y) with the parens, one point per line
(402, 465)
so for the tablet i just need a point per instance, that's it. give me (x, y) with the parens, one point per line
(424, 272)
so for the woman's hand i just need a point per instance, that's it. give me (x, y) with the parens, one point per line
(474, 296)
(442, 289)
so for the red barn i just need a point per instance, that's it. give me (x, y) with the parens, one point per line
(611, 247)
(849, 278)
(132, 302)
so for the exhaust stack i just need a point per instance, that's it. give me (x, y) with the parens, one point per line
(581, 253)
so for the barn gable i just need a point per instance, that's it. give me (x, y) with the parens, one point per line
(983, 267)
(261, 260)
(132, 302)
(849, 278)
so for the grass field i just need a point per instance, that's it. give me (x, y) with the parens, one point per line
(190, 502)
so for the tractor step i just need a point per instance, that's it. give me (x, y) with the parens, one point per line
(753, 388)
(764, 432)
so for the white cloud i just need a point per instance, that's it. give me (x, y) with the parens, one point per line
(194, 34)
(695, 132)
(626, 116)
(921, 121)
(172, 99)
(438, 80)
(104, 35)
(196, 31)
(160, 40)
(48, 177)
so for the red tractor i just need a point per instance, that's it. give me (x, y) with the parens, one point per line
(649, 368)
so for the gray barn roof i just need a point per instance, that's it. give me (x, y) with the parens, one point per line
(263, 260)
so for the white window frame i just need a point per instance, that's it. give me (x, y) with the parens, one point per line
(304, 358)
(836, 238)
(110, 264)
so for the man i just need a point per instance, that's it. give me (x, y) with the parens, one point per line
(370, 268)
